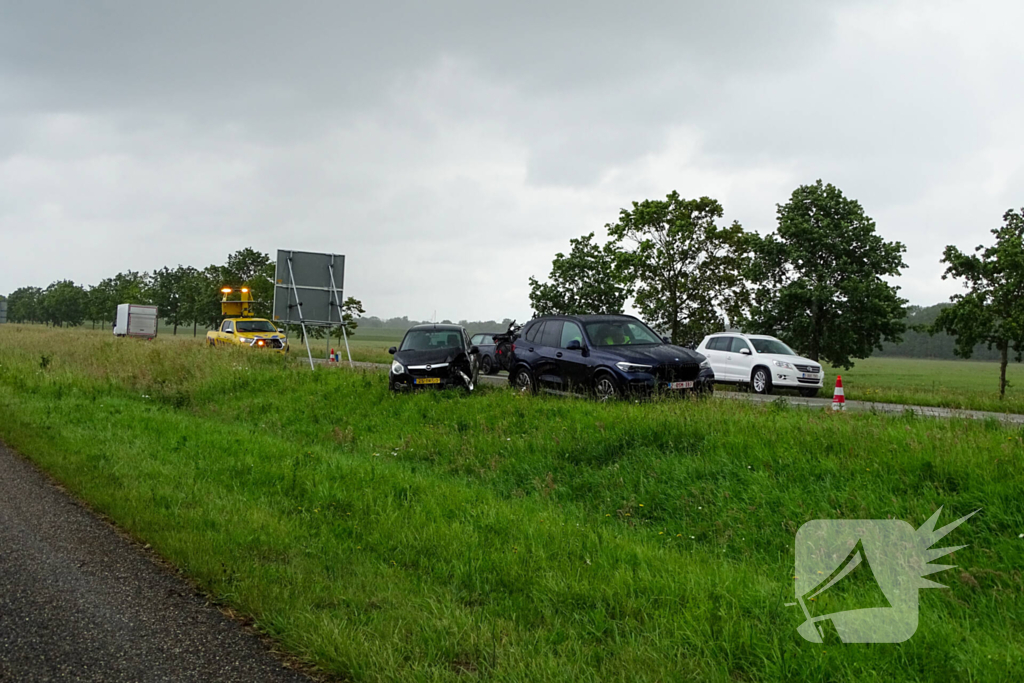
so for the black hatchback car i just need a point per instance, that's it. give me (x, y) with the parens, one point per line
(436, 356)
(607, 355)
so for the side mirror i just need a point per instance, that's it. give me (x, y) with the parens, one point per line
(392, 350)
(474, 349)
(667, 340)
(745, 352)
(574, 345)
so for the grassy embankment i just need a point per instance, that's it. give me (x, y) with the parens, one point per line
(965, 384)
(443, 537)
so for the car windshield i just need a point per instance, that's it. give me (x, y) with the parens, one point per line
(771, 346)
(431, 340)
(254, 326)
(620, 333)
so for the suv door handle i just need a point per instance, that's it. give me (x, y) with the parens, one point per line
(558, 355)
(531, 349)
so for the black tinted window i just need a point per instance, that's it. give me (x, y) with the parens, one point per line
(552, 335)
(533, 332)
(715, 344)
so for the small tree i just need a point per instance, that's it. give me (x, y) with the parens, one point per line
(820, 279)
(589, 280)
(687, 270)
(992, 310)
(101, 303)
(165, 287)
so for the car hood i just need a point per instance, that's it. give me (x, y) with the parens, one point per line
(655, 354)
(789, 359)
(428, 357)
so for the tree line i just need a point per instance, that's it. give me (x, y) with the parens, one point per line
(819, 281)
(185, 296)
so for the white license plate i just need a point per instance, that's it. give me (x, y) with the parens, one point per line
(680, 385)
(809, 375)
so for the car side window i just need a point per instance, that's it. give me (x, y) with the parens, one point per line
(714, 344)
(571, 332)
(738, 344)
(534, 332)
(477, 339)
(552, 334)
(227, 327)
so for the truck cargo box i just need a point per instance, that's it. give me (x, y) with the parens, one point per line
(134, 320)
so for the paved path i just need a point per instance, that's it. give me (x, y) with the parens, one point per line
(80, 603)
(800, 401)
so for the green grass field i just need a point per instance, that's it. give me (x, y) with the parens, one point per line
(964, 384)
(443, 537)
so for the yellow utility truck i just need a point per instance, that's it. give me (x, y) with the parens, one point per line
(241, 328)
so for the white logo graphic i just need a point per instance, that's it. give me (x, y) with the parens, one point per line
(860, 577)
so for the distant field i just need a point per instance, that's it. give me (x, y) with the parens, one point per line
(946, 383)
(440, 537)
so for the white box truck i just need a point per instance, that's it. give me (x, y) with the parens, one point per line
(134, 320)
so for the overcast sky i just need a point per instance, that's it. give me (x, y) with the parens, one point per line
(450, 149)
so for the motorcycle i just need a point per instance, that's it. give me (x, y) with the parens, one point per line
(503, 346)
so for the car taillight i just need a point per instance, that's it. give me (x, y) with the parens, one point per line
(513, 348)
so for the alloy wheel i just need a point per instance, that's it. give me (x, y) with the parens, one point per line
(605, 388)
(760, 382)
(524, 383)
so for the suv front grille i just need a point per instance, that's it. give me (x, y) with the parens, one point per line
(682, 372)
(807, 368)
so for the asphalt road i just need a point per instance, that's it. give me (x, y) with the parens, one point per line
(78, 602)
(798, 401)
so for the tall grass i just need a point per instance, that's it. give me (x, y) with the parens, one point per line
(440, 537)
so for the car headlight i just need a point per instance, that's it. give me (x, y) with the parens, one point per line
(247, 340)
(632, 367)
(705, 364)
(783, 364)
(397, 368)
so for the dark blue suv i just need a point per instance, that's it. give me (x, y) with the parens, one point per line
(607, 355)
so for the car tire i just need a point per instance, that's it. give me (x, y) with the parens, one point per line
(523, 382)
(487, 365)
(606, 388)
(808, 393)
(761, 381)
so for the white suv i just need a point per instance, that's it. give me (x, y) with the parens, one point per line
(761, 361)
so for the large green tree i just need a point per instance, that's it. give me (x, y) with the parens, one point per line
(101, 305)
(687, 269)
(64, 303)
(821, 279)
(589, 280)
(129, 287)
(166, 288)
(991, 312)
(253, 269)
(23, 305)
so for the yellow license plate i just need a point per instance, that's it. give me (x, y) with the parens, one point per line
(428, 380)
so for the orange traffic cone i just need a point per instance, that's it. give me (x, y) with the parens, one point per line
(838, 399)
(332, 358)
